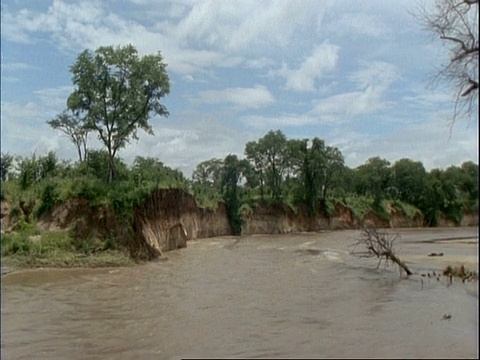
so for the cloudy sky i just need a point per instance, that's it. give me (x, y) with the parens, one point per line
(354, 73)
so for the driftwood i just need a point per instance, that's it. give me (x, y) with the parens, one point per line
(379, 245)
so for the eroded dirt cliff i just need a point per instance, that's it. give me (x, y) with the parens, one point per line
(169, 218)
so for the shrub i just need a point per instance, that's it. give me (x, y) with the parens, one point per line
(48, 198)
(360, 205)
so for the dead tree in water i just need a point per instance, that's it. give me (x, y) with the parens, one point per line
(379, 245)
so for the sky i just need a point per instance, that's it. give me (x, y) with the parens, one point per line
(357, 74)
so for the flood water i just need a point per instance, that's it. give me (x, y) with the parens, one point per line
(282, 296)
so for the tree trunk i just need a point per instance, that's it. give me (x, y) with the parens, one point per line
(399, 263)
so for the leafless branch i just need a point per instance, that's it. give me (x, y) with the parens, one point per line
(379, 245)
(456, 23)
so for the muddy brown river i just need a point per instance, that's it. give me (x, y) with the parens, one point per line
(282, 296)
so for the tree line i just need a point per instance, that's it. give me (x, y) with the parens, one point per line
(274, 170)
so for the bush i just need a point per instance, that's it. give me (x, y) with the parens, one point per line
(27, 244)
(408, 210)
(329, 206)
(48, 198)
(360, 205)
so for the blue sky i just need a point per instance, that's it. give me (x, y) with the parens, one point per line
(354, 73)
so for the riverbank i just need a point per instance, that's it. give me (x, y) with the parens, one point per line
(57, 249)
(66, 260)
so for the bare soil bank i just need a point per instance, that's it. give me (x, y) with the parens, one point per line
(169, 218)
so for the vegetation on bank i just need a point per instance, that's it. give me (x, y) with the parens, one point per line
(34, 185)
(115, 94)
(34, 248)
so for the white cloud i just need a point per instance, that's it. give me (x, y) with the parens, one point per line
(15, 66)
(269, 122)
(359, 24)
(429, 142)
(367, 81)
(54, 98)
(372, 81)
(241, 26)
(243, 98)
(323, 58)
(21, 133)
(89, 25)
(183, 143)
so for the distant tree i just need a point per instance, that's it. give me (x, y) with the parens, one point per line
(455, 22)
(308, 163)
(74, 128)
(6, 163)
(334, 163)
(269, 160)
(48, 165)
(408, 178)
(314, 164)
(373, 178)
(28, 170)
(258, 162)
(469, 180)
(208, 174)
(433, 197)
(116, 92)
(233, 172)
(97, 164)
(148, 169)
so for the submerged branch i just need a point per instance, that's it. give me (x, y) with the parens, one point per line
(381, 246)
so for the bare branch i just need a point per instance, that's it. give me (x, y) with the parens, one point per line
(456, 23)
(381, 246)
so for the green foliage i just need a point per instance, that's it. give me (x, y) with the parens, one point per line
(305, 170)
(408, 210)
(232, 172)
(381, 208)
(48, 198)
(89, 245)
(269, 157)
(29, 171)
(408, 178)
(116, 92)
(329, 206)
(360, 205)
(373, 178)
(74, 127)
(245, 210)
(34, 244)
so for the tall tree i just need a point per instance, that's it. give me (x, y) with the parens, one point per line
(258, 161)
(334, 163)
(208, 174)
(408, 178)
(373, 178)
(455, 22)
(272, 149)
(315, 164)
(74, 127)
(116, 92)
(232, 173)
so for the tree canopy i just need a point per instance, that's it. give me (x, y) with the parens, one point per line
(116, 92)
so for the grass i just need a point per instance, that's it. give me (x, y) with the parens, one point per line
(33, 249)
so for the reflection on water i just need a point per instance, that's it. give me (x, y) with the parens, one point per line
(254, 297)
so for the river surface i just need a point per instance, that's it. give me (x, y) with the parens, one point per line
(282, 296)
